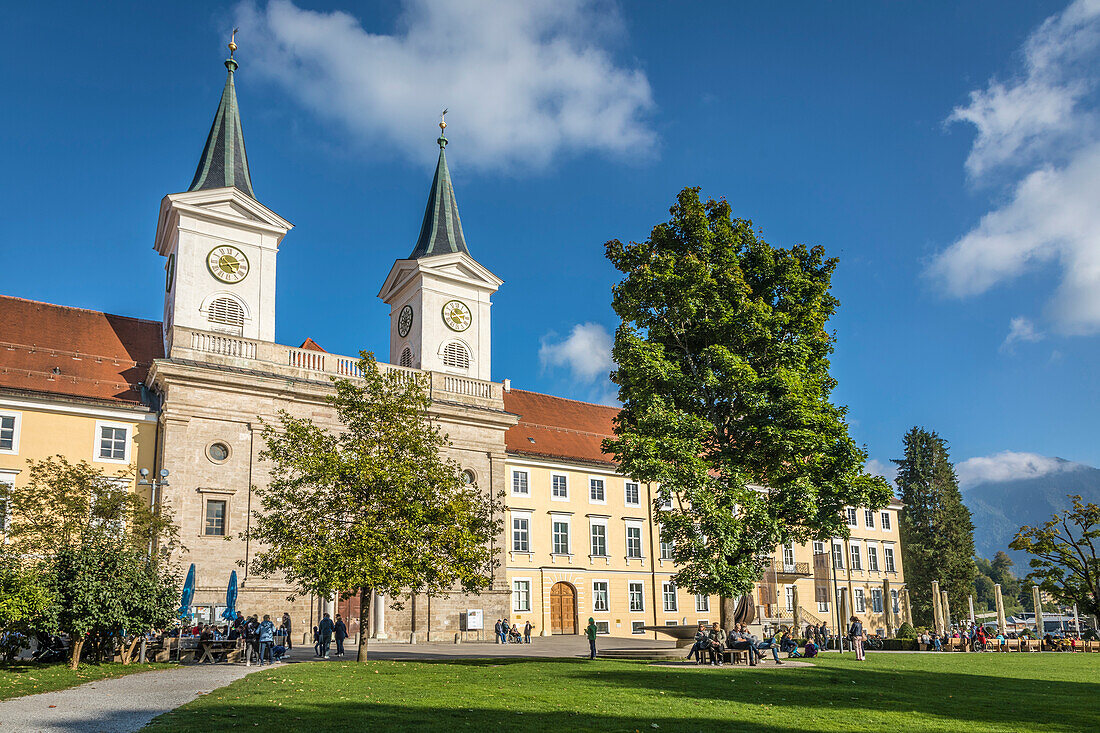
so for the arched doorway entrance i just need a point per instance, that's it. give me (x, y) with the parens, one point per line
(563, 609)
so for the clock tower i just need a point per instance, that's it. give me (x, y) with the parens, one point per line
(218, 241)
(439, 296)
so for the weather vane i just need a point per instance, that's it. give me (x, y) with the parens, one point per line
(443, 121)
(233, 42)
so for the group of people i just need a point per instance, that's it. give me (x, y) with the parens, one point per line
(506, 634)
(325, 632)
(710, 642)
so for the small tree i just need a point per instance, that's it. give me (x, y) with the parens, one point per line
(723, 370)
(374, 507)
(26, 602)
(102, 550)
(107, 592)
(1065, 562)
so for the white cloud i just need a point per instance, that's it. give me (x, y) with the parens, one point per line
(586, 352)
(1020, 329)
(1043, 130)
(888, 470)
(524, 81)
(1008, 466)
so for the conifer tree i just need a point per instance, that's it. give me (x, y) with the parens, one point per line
(937, 534)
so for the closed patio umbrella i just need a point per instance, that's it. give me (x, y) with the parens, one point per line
(188, 593)
(230, 611)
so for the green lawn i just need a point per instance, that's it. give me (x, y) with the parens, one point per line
(942, 692)
(28, 679)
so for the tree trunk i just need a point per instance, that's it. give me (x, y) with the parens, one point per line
(727, 609)
(128, 652)
(78, 644)
(366, 600)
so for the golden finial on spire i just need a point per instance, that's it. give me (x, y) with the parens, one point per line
(233, 42)
(442, 121)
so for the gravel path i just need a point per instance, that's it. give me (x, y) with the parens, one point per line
(115, 705)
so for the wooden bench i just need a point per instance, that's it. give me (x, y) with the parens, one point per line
(735, 656)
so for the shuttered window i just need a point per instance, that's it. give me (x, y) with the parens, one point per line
(406, 358)
(226, 312)
(455, 355)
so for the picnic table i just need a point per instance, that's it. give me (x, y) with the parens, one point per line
(212, 648)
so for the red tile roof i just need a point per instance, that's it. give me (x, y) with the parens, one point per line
(312, 346)
(71, 351)
(555, 427)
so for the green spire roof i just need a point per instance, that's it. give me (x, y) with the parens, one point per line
(223, 162)
(441, 232)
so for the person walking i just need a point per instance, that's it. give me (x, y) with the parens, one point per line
(590, 632)
(824, 636)
(252, 638)
(855, 635)
(286, 630)
(324, 635)
(340, 629)
(265, 634)
(527, 633)
(496, 632)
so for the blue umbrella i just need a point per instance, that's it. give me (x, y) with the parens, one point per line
(230, 612)
(188, 593)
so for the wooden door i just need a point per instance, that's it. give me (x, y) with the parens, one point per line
(563, 609)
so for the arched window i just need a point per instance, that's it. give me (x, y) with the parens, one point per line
(406, 358)
(226, 311)
(455, 355)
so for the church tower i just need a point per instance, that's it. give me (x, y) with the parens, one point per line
(439, 295)
(218, 241)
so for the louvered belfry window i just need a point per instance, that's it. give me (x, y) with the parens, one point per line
(406, 358)
(455, 355)
(227, 312)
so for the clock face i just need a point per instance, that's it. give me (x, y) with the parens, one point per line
(227, 264)
(170, 273)
(457, 316)
(405, 321)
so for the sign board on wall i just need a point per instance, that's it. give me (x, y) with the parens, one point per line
(475, 621)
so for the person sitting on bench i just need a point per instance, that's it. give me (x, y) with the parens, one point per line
(738, 640)
(702, 640)
(715, 639)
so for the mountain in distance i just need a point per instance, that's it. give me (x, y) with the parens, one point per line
(1001, 504)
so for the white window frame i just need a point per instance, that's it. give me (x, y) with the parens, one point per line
(838, 555)
(594, 522)
(633, 524)
(603, 628)
(661, 545)
(869, 518)
(630, 596)
(872, 558)
(637, 627)
(788, 596)
(788, 552)
(526, 480)
(593, 481)
(7, 481)
(822, 606)
(851, 516)
(819, 547)
(885, 522)
(17, 429)
(855, 558)
(637, 493)
(666, 505)
(567, 521)
(889, 564)
(517, 594)
(702, 603)
(669, 591)
(128, 441)
(895, 600)
(553, 487)
(526, 517)
(224, 499)
(606, 595)
(860, 600)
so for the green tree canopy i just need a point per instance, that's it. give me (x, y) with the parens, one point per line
(937, 534)
(1065, 563)
(723, 371)
(375, 506)
(26, 602)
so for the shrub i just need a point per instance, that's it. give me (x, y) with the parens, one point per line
(906, 631)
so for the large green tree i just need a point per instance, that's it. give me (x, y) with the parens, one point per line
(374, 506)
(1065, 562)
(937, 534)
(26, 601)
(722, 361)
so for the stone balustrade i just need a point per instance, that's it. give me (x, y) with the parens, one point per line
(240, 352)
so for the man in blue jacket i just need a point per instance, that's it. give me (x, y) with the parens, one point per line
(266, 634)
(341, 631)
(325, 630)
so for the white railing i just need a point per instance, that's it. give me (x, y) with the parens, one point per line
(213, 343)
(468, 387)
(307, 359)
(348, 367)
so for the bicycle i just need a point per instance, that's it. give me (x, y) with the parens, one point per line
(872, 642)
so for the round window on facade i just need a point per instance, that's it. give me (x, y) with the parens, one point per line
(468, 477)
(218, 452)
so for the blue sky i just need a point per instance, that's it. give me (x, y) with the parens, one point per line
(946, 152)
